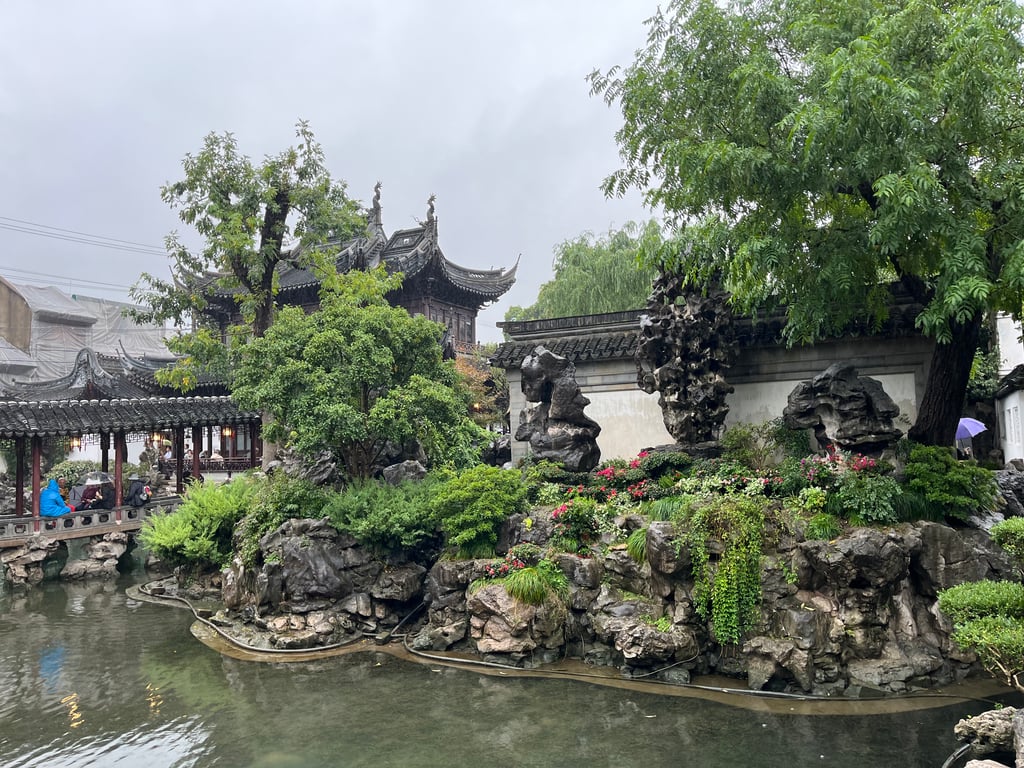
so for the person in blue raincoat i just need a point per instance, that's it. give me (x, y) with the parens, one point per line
(50, 502)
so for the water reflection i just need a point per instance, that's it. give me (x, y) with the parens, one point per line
(90, 677)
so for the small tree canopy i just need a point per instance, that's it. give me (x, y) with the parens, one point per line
(356, 375)
(252, 217)
(595, 275)
(813, 153)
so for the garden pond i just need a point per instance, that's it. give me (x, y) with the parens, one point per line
(90, 676)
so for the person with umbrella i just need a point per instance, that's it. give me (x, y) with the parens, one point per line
(967, 428)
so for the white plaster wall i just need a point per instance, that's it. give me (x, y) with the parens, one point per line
(630, 421)
(756, 403)
(1011, 351)
(1011, 427)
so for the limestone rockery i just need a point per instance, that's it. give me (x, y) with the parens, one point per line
(837, 616)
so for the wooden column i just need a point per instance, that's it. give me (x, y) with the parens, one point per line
(120, 453)
(254, 435)
(197, 448)
(19, 476)
(179, 459)
(104, 447)
(37, 464)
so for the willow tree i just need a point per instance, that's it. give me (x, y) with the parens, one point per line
(595, 274)
(252, 218)
(814, 155)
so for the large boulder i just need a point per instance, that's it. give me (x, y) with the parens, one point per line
(845, 409)
(554, 423)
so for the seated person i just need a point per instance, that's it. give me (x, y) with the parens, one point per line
(138, 492)
(50, 502)
(96, 496)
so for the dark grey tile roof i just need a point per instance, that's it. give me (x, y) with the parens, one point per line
(71, 417)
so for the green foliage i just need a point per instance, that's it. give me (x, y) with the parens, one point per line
(1009, 534)
(819, 152)
(527, 576)
(984, 380)
(594, 275)
(527, 585)
(72, 470)
(356, 376)
(866, 499)
(999, 643)
(386, 518)
(959, 488)
(245, 213)
(760, 446)
(636, 545)
(727, 590)
(473, 504)
(659, 464)
(976, 599)
(198, 534)
(576, 524)
(538, 473)
(275, 499)
(823, 526)
(662, 623)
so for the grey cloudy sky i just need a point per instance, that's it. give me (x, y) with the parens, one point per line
(483, 103)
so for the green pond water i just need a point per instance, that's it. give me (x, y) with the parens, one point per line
(90, 676)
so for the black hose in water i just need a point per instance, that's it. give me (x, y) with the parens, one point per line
(955, 757)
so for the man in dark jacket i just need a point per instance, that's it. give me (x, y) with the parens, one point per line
(138, 492)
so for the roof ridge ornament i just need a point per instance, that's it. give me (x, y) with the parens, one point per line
(375, 211)
(431, 223)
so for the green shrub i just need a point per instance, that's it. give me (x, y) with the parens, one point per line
(385, 518)
(472, 505)
(198, 533)
(911, 506)
(658, 464)
(1009, 535)
(751, 445)
(959, 488)
(275, 499)
(977, 599)
(527, 585)
(547, 494)
(576, 525)
(636, 545)
(865, 499)
(823, 527)
(999, 643)
(72, 470)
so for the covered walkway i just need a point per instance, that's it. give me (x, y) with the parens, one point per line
(28, 424)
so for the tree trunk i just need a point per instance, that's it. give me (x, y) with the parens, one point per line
(946, 386)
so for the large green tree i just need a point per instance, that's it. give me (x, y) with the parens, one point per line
(815, 153)
(594, 275)
(251, 217)
(357, 376)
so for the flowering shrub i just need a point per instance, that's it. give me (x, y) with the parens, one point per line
(827, 471)
(576, 523)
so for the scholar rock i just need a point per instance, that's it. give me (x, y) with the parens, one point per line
(850, 411)
(554, 423)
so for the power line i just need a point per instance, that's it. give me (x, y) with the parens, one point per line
(64, 278)
(81, 241)
(76, 232)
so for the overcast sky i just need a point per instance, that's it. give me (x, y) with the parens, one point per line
(484, 104)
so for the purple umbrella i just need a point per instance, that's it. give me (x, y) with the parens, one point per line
(968, 428)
